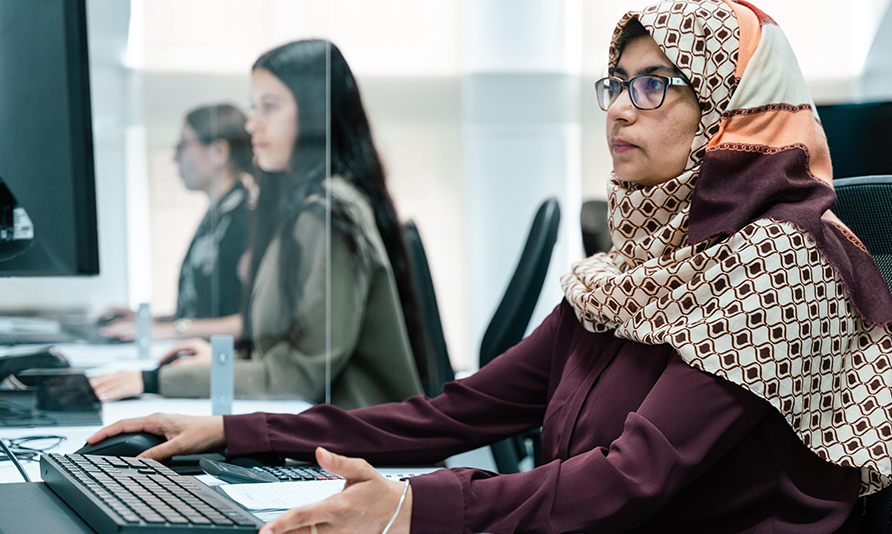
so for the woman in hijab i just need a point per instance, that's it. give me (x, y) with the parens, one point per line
(725, 367)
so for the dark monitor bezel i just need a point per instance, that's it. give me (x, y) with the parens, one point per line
(40, 259)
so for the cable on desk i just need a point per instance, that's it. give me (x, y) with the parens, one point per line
(26, 450)
(12, 457)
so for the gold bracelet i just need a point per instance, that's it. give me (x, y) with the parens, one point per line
(183, 326)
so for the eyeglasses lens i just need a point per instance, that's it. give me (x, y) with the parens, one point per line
(607, 90)
(648, 91)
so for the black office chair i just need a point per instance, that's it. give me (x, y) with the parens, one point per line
(864, 204)
(512, 317)
(439, 367)
(508, 324)
(510, 321)
(593, 222)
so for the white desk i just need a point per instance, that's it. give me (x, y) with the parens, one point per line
(106, 358)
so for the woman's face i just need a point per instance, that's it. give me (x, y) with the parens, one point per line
(650, 147)
(273, 121)
(194, 160)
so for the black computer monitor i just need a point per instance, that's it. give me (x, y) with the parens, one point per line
(859, 138)
(47, 190)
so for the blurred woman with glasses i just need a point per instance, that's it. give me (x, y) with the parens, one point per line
(213, 156)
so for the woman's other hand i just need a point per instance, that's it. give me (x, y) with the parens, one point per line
(120, 385)
(185, 434)
(126, 330)
(123, 329)
(193, 351)
(365, 506)
(115, 313)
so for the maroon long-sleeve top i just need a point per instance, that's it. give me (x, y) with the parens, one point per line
(633, 440)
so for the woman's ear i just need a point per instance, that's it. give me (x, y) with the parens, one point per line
(220, 154)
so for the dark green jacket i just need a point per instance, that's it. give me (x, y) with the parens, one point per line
(371, 358)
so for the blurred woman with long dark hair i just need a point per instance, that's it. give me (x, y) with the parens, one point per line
(318, 167)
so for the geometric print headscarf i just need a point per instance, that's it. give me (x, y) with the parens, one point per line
(738, 263)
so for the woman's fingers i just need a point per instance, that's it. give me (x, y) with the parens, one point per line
(188, 435)
(165, 450)
(182, 349)
(184, 434)
(364, 507)
(126, 426)
(299, 520)
(173, 354)
(118, 385)
(125, 330)
(352, 469)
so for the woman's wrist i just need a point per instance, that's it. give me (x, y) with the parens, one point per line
(401, 521)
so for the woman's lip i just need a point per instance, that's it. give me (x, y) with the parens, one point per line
(622, 146)
(258, 146)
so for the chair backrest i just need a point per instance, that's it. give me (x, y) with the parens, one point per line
(510, 321)
(593, 222)
(864, 204)
(439, 367)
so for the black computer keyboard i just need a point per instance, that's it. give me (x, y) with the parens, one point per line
(118, 494)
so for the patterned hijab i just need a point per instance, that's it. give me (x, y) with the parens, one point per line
(738, 263)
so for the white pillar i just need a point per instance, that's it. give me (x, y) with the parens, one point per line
(521, 143)
(876, 77)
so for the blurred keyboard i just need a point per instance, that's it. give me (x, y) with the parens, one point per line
(118, 494)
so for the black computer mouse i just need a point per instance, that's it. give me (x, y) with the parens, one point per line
(123, 444)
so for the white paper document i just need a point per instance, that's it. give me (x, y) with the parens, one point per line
(268, 500)
(281, 495)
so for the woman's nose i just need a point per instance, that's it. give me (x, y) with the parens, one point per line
(622, 108)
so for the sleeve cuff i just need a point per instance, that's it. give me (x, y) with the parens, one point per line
(150, 381)
(437, 503)
(246, 434)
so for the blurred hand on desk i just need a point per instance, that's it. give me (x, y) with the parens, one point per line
(195, 351)
(126, 384)
(125, 330)
(120, 385)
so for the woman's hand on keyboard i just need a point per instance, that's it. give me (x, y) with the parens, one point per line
(120, 385)
(365, 506)
(185, 434)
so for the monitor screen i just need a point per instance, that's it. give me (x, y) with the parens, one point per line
(47, 190)
(858, 135)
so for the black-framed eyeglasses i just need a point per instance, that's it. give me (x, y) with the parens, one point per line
(646, 92)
